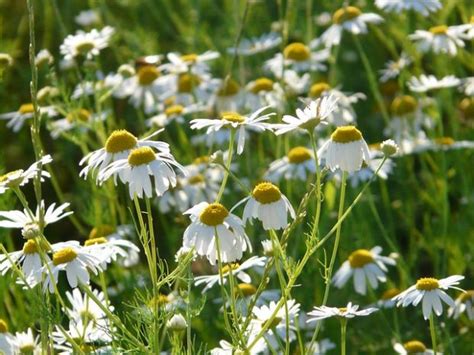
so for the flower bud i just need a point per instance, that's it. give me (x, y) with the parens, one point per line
(389, 147)
(177, 323)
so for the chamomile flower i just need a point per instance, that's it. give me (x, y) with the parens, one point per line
(469, 28)
(87, 18)
(369, 168)
(467, 86)
(76, 261)
(17, 178)
(6, 346)
(254, 45)
(386, 300)
(423, 7)
(298, 164)
(44, 57)
(320, 347)
(393, 68)
(264, 92)
(80, 119)
(431, 292)
(237, 270)
(86, 44)
(348, 18)
(145, 172)
(210, 222)
(83, 308)
(364, 265)
(86, 334)
(26, 343)
(115, 248)
(297, 56)
(269, 205)
(234, 120)
(429, 82)
(17, 119)
(184, 62)
(174, 113)
(226, 348)
(463, 303)
(350, 311)
(311, 116)
(345, 150)
(412, 347)
(439, 39)
(118, 146)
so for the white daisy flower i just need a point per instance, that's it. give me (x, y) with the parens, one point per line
(364, 265)
(439, 39)
(264, 92)
(423, 7)
(298, 57)
(118, 146)
(86, 44)
(350, 19)
(177, 323)
(346, 150)
(254, 45)
(85, 309)
(463, 303)
(369, 168)
(386, 300)
(350, 311)
(116, 248)
(413, 347)
(44, 57)
(87, 18)
(86, 334)
(16, 178)
(174, 113)
(235, 121)
(6, 346)
(237, 270)
(430, 291)
(261, 315)
(226, 348)
(144, 171)
(23, 219)
(6, 60)
(26, 343)
(212, 221)
(311, 116)
(469, 28)
(297, 164)
(76, 261)
(80, 119)
(269, 205)
(294, 83)
(17, 119)
(429, 82)
(319, 347)
(229, 96)
(181, 63)
(393, 68)
(467, 86)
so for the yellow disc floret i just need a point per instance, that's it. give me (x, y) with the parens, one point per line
(119, 141)
(390, 293)
(191, 57)
(85, 47)
(427, 284)
(230, 267)
(64, 256)
(26, 108)
(317, 89)
(446, 141)
(245, 289)
(214, 214)
(360, 258)
(345, 14)
(94, 241)
(414, 347)
(232, 117)
(196, 179)
(3, 326)
(297, 51)
(266, 192)
(30, 247)
(186, 82)
(262, 84)
(228, 88)
(79, 114)
(174, 110)
(439, 30)
(467, 107)
(346, 134)
(147, 75)
(101, 231)
(403, 105)
(141, 156)
(299, 155)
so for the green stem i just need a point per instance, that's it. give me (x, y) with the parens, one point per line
(433, 334)
(317, 214)
(227, 166)
(343, 335)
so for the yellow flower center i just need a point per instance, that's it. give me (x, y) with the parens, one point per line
(266, 192)
(463, 297)
(64, 256)
(389, 88)
(230, 267)
(317, 89)
(414, 347)
(201, 160)
(346, 134)
(80, 114)
(229, 88)
(390, 293)
(101, 231)
(439, 30)
(262, 84)
(186, 82)
(147, 75)
(467, 107)
(141, 156)
(427, 284)
(192, 57)
(27, 349)
(299, 155)
(196, 179)
(119, 141)
(174, 110)
(26, 108)
(5, 177)
(360, 258)
(160, 300)
(245, 289)
(214, 214)
(232, 117)
(297, 51)
(85, 47)
(444, 141)
(30, 247)
(94, 241)
(403, 105)
(3, 326)
(345, 14)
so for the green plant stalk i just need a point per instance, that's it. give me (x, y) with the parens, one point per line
(317, 215)
(343, 335)
(433, 334)
(227, 166)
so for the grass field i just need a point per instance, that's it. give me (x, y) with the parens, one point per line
(224, 177)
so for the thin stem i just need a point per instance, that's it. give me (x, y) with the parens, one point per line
(343, 335)
(227, 166)
(318, 187)
(433, 334)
